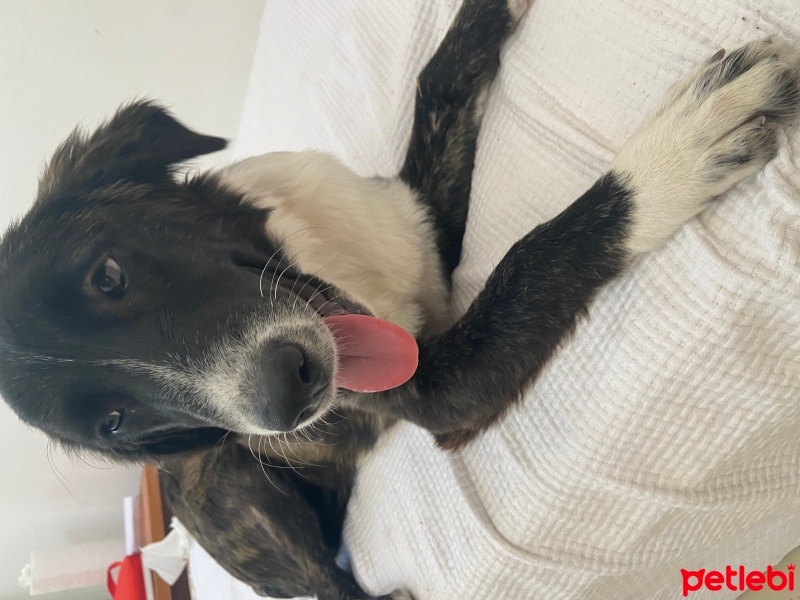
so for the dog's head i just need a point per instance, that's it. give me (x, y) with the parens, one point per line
(142, 314)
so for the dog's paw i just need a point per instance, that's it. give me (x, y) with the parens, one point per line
(712, 129)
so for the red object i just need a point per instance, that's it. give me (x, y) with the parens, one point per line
(130, 579)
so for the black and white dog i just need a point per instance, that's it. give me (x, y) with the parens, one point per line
(195, 322)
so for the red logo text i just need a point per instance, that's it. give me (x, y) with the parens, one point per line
(738, 579)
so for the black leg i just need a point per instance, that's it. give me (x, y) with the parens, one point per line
(682, 158)
(451, 93)
(471, 374)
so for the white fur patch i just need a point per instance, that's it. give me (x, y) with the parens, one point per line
(703, 140)
(368, 237)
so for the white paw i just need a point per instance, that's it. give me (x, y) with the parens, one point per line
(712, 129)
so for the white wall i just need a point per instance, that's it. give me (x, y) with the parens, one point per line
(62, 63)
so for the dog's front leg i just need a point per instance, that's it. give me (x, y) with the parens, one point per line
(451, 97)
(257, 523)
(713, 129)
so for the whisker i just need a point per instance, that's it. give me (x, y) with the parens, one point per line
(269, 439)
(261, 279)
(324, 434)
(107, 467)
(222, 441)
(57, 472)
(278, 281)
(282, 453)
(316, 274)
(317, 293)
(282, 446)
(250, 447)
(299, 458)
(331, 299)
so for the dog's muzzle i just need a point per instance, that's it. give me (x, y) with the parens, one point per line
(290, 385)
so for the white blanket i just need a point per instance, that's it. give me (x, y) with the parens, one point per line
(666, 433)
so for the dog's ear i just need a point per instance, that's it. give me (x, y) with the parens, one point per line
(139, 144)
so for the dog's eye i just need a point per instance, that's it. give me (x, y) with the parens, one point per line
(112, 422)
(109, 278)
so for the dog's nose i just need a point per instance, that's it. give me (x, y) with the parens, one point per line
(290, 384)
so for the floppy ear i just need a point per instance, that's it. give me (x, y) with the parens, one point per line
(139, 144)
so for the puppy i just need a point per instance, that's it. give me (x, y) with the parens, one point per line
(197, 322)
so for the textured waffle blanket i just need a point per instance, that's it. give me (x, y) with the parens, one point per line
(666, 433)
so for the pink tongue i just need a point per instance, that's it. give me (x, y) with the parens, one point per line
(374, 355)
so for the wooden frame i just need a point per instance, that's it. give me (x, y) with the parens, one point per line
(154, 518)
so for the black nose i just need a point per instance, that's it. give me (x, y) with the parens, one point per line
(289, 385)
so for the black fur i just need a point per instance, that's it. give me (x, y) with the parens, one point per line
(451, 91)
(58, 342)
